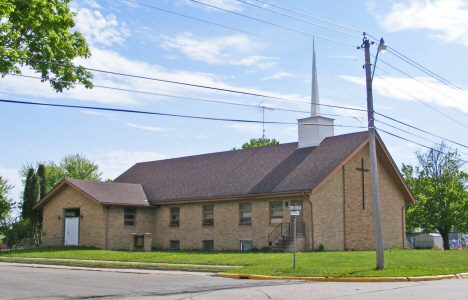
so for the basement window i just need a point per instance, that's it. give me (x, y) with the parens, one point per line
(208, 245)
(245, 245)
(174, 245)
(129, 216)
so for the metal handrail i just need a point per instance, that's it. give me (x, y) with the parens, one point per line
(270, 238)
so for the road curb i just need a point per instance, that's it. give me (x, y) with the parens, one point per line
(345, 279)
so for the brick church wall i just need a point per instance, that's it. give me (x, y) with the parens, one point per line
(119, 235)
(92, 225)
(359, 232)
(226, 231)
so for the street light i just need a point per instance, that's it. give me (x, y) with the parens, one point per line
(373, 153)
(382, 48)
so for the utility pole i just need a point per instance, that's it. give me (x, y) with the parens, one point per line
(373, 162)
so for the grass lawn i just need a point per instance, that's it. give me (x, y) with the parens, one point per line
(398, 262)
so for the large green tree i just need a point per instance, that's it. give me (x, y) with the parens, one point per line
(75, 166)
(5, 202)
(440, 188)
(260, 142)
(32, 31)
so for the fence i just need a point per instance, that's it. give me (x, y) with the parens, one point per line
(34, 243)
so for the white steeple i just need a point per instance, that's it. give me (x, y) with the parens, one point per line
(315, 94)
(313, 135)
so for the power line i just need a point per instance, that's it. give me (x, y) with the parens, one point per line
(425, 70)
(274, 24)
(181, 83)
(403, 123)
(427, 86)
(302, 20)
(212, 23)
(232, 28)
(413, 134)
(419, 100)
(183, 97)
(402, 138)
(296, 12)
(168, 115)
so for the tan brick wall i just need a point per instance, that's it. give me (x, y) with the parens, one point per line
(91, 232)
(359, 233)
(119, 235)
(226, 231)
(328, 209)
(93, 224)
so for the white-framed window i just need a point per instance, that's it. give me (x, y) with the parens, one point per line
(245, 245)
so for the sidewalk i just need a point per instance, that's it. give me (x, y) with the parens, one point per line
(120, 262)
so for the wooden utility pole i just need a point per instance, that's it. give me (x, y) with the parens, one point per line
(373, 162)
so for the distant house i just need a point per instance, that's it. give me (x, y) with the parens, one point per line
(238, 200)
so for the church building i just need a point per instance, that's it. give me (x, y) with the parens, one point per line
(239, 200)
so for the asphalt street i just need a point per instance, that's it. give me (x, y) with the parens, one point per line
(21, 281)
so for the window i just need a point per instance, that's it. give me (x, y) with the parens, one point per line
(175, 216)
(174, 245)
(208, 215)
(129, 216)
(208, 245)
(245, 213)
(245, 245)
(276, 212)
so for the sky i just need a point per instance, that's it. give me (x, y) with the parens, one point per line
(268, 54)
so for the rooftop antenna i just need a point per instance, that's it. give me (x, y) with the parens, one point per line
(262, 109)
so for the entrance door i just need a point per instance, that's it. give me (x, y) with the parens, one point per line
(300, 226)
(72, 226)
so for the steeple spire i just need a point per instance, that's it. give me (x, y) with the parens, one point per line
(315, 111)
(314, 129)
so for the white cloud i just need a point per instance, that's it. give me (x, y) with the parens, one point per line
(99, 29)
(150, 128)
(426, 89)
(219, 50)
(279, 76)
(447, 19)
(292, 131)
(114, 163)
(111, 61)
(247, 128)
(231, 5)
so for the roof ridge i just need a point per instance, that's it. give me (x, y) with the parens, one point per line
(212, 153)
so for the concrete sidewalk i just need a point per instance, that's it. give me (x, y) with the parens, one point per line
(113, 270)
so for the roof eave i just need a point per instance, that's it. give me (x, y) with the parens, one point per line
(232, 198)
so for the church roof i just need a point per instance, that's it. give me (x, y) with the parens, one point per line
(105, 193)
(266, 170)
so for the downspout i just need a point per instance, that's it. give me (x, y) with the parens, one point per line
(344, 210)
(311, 220)
(107, 226)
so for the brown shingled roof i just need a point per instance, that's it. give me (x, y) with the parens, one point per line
(273, 169)
(106, 193)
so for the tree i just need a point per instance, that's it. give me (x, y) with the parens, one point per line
(260, 142)
(439, 186)
(33, 31)
(42, 173)
(30, 197)
(6, 203)
(75, 166)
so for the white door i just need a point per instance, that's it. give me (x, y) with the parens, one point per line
(72, 226)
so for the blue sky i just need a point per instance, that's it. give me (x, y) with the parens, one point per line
(129, 38)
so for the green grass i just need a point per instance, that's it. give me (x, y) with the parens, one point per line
(398, 262)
